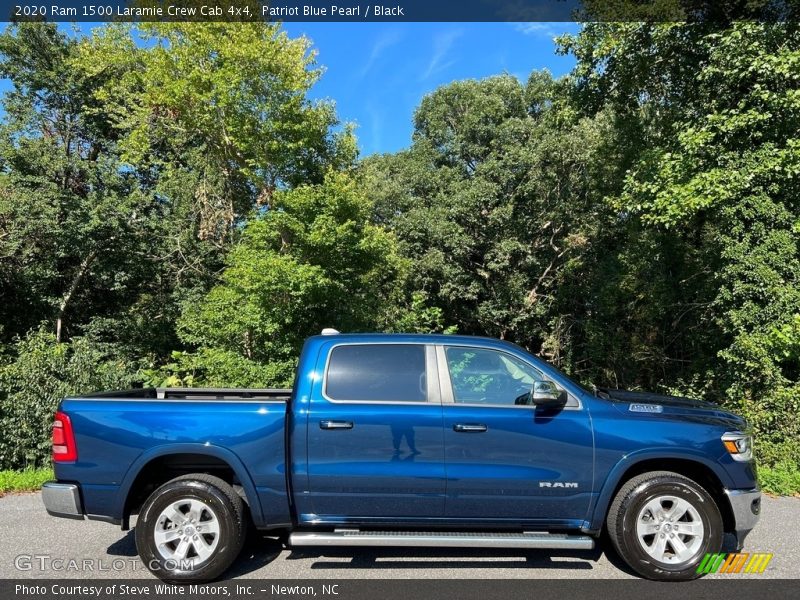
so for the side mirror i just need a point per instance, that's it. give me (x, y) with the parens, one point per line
(545, 394)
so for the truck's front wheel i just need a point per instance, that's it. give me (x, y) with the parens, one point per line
(663, 524)
(190, 529)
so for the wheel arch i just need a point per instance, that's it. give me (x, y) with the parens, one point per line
(162, 463)
(710, 476)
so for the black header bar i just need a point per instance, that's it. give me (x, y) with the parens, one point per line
(398, 10)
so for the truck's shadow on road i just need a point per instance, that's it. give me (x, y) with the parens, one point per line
(125, 546)
(259, 551)
(466, 558)
(446, 558)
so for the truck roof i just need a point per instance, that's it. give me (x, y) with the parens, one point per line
(421, 338)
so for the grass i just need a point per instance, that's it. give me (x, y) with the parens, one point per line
(782, 479)
(24, 481)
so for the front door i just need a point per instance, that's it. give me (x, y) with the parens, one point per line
(506, 461)
(375, 447)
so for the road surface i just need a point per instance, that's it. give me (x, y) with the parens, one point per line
(35, 545)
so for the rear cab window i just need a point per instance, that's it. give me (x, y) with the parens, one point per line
(376, 373)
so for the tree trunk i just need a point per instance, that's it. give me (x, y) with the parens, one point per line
(76, 281)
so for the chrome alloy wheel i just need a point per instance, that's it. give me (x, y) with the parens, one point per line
(187, 529)
(670, 529)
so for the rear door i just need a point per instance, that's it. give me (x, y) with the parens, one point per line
(506, 460)
(375, 444)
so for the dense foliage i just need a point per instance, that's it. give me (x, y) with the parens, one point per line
(710, 118)
(313, 258)
(174, 210)
(44, 372)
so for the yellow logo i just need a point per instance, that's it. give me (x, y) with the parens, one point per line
(734, 563)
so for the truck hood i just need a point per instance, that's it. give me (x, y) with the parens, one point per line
(656, 405)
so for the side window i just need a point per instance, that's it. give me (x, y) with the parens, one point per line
(377, 373)
(489, 377)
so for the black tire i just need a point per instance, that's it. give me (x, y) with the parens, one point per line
(624, 513)
(225, 506)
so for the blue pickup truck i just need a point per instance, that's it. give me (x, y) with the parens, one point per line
(407, 440)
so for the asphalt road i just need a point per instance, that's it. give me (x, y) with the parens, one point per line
(27, 534)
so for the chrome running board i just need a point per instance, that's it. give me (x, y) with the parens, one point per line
(354, 537)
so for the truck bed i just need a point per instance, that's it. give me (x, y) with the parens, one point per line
(121, 434)
(274, 394)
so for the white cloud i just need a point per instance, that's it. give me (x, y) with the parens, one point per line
(542, 30)
(442, 44)
(384, 41)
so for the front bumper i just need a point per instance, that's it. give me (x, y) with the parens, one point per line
(746, 509)
(62, 499)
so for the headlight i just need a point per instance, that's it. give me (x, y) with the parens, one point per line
(739, 445)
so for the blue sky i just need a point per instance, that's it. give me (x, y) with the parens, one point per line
(377, 73)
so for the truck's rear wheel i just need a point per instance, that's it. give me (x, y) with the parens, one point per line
(662, 524)
(191, 529)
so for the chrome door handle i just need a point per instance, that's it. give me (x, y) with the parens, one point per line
(470, 427)
(335, 424)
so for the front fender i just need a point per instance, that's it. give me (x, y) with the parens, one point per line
(618, 472)
(189, 448)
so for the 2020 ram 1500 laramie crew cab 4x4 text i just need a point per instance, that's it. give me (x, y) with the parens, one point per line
(407, 440)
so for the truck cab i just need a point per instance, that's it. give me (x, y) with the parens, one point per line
(433, 431)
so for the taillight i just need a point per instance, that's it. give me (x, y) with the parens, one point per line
(64, 449)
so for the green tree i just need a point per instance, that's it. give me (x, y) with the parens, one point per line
(312, 260)
(218, 110)
(41, 373)
(214, 119)
(494, 204)
(131, 159)
(713, 175)
(72, 225)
